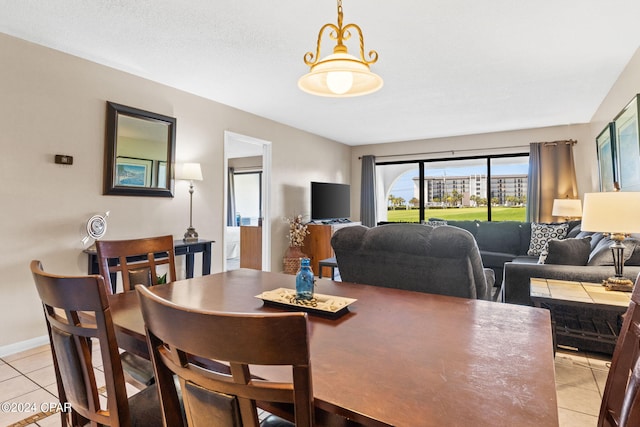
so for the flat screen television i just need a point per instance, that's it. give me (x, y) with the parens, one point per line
(330, 201)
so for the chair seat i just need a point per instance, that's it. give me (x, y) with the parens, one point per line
(274, 421)
(139, 368)
(144, 408)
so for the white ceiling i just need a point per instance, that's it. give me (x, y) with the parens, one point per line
(450, 67)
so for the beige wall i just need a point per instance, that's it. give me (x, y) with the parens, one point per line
(624, 89)
(53, 103)
(476, 145)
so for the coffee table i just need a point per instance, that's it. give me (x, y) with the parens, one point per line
(585, 315)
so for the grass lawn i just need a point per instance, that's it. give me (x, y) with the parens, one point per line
(499, 213)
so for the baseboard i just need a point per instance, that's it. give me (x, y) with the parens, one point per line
(23, 345)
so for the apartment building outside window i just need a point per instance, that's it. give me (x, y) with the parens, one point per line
(484, 188)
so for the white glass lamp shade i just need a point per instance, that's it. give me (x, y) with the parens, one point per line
(567, 208)
(340, 75)
(189, 171)
(611, 212)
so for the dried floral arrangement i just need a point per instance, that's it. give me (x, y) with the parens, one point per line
(297, 231)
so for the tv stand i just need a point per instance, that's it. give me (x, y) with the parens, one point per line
(317, 244)
(336, 221)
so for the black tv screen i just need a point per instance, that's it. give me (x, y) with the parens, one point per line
(330, 201)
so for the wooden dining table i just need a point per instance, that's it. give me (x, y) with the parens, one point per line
(395, 357)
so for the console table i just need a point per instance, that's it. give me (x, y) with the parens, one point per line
(584, 315)
(181, 248)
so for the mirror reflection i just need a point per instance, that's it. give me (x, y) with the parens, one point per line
(139, 152)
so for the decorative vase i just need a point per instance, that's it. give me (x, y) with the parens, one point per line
(292, 258)
(304, 280)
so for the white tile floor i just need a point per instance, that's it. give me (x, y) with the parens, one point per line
(28, 377)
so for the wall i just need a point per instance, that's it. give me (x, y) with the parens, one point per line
(623, 90)
(474, 145)
(53, 103)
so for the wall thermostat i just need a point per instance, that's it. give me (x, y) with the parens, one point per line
(62, 159)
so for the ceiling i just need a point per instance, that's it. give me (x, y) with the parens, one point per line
(450, 67)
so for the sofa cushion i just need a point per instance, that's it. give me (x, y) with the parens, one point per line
(495, 259)
(541, 233)
(595, 237)
(525, 238)
(435, 222)
(525, 259)
(499, 237)
(568, 251)
(471, 226)
(574, 228)
(601, 254)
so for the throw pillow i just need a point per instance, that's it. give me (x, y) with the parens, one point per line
(541, 233)
(568, 251)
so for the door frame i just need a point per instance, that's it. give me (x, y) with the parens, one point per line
(236, 138)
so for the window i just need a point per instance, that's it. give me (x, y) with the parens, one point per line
(485, 188)
(248, 196)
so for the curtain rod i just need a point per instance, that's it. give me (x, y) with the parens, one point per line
(445, 151)
(551, 143)
(554, 143)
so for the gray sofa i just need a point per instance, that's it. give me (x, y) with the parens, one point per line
(499, 242)
(599, 266)
(441, 260)
(504, 245)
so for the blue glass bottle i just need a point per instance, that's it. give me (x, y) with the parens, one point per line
(304, 280)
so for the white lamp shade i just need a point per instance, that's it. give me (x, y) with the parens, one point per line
(611, 212)
(189, 171)
(340, 75)
(567, 208)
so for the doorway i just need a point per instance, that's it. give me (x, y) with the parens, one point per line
(249, 160)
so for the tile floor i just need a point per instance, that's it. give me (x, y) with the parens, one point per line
(28, 377)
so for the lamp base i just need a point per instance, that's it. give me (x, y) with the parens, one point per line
(190, 236)
(618, 284)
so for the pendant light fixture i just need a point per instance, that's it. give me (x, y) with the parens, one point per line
(340, 74)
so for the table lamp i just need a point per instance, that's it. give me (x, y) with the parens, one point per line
(567, 208)
(190, 172)
(616, 214)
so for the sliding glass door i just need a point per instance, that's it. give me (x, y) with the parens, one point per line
(476, 188)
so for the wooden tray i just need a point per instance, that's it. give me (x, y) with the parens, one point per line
(325, 305)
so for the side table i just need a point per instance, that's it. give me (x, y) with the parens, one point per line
(329, 263)
(585, 315)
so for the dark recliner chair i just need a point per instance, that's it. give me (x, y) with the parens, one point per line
(442, 260)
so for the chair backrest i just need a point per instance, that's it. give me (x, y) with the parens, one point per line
(621, 398)
(176, 335)
(440, 260)
(136, 260)
(65, 299)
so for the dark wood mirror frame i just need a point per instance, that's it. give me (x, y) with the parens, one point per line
(154, 176)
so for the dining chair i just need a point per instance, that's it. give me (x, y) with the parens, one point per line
(621, 398)
(77, 315)
(136, 260)
(177, 335)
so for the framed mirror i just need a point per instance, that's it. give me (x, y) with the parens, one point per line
(139, 152)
